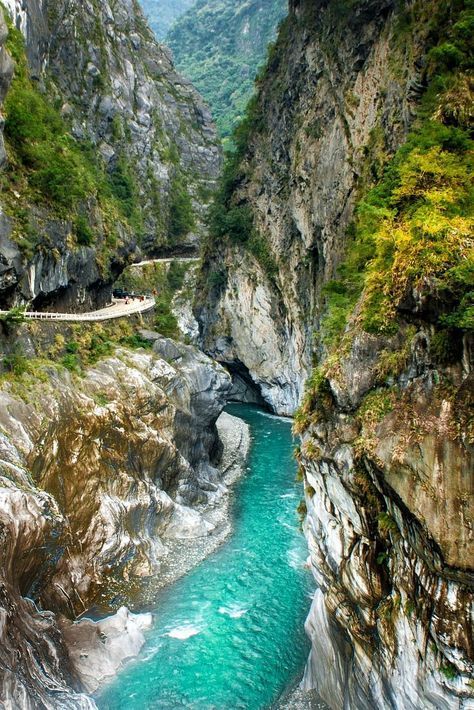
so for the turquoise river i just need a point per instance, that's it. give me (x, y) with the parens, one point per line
(230, 633)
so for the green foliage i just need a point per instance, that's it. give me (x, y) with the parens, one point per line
(72, 347)
(446, 56)
(48, 166)
(15, 316)
(235, 222)
(258, 246)
(165, 321)
(17, 364)
(449, 670)
(101, 399)
(123, 187)
(86, 348)
(181, 214)
(375, 406)
(388, 526)
(414, 228)
(37, 135)
(316, 400)
(302, 510)
(71, 362)
(217, 279)
(224, 70)
(136, 341)
(55, 164)
(446, 346)
(84, 233)
(176, 275)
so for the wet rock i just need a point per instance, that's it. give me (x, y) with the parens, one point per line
(98, 650)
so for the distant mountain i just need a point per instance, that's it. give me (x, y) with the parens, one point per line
(163, 13)
(219, 45)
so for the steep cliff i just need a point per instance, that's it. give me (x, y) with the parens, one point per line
(307, 132)
(109, 150)
(99, 475)
(341, 255)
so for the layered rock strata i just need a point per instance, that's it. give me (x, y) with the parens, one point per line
(97, 475)
(389, 495)
(386, 423)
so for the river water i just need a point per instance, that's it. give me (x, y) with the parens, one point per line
(229, 634)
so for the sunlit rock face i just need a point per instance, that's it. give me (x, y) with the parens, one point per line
(97, 474)
(389, 526)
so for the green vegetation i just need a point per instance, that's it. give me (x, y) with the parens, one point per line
(388, 527)
(87, 348)
(234, 222)
(449, 670)
(224, 70)
(48, 167)
(316, 401)
(181, 214)
(17, 364)
(84, 234)
(302, 510)
(55, 166)
(414, 228)
(162, 14)
(14, 316)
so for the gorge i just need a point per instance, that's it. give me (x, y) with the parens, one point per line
(334, 288)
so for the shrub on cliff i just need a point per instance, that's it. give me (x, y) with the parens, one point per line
(413, 229)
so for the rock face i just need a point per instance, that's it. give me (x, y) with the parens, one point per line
(99, 649)
(96, 476)
(386, 421)
(318, 115)
(147, 130)
(389, 495)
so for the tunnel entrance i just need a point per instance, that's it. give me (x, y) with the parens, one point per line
(244, 389)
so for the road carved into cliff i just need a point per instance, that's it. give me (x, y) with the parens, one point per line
(119, 308)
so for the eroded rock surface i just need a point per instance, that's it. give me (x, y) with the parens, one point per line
(389, 494)
(98, 474)
(387, 455)
(323, 114)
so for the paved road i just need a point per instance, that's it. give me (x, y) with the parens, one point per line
(168, 260)
(118, 309)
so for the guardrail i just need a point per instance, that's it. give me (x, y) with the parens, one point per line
(118, 309)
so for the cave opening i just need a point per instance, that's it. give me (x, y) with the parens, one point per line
(244, 389)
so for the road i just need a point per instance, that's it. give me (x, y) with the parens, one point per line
(168, 260)
(118, 309)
